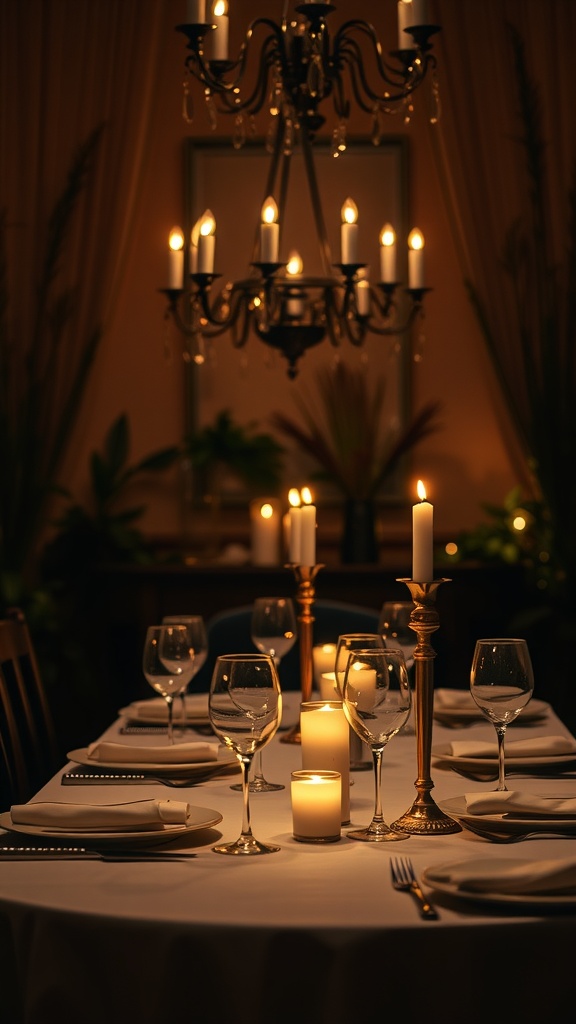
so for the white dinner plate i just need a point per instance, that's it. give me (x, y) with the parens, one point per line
(155, 711)
(156, 768)
(456, 807)
(487, 764)
(200, 817)
(533, 712)
(516, 899)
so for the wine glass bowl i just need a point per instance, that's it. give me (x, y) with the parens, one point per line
(198, 641)
(245, 708)
(394, 627)
(167, 664)
(376, 700)
(273, 631)
(348, 642)
(501, 684)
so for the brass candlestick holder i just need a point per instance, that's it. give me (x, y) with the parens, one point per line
(305, 594)
(424, 818)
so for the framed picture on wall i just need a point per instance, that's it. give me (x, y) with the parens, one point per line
(252, 382)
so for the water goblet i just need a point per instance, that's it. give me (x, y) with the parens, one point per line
(199, 642)
(348, 642)
(167, 663)
(274, 632)
(377, 700)
(245, 707)
(501, 684)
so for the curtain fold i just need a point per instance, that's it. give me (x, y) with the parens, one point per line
(67, 68)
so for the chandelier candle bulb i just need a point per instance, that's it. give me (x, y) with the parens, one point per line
(388, 254)
(415, 259)
(265, 531)
(316, 802)
(363, 296)
(420, 14)
(405, 18)
(349, 232)
(206, 243)
(269, 232)
(422, 538)
(219, 50)
(325, 736)
(194, 242)
(176, 258)
(196, 12)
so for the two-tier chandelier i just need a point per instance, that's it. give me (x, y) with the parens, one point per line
(292, 67)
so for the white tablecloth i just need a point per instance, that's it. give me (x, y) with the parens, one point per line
(313, 933)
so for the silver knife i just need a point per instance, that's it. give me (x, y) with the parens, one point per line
(82, 853)
(102, 778)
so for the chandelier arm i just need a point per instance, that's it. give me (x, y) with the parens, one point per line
(405, 80)
(392, 329)
(354, 62)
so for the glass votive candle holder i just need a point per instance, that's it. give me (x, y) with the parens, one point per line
(324, 660)
(316, 806)
(325, 743)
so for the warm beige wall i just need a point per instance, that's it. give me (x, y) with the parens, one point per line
(138, 369)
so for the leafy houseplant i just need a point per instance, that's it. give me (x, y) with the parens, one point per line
(254, 458)
(343, 431)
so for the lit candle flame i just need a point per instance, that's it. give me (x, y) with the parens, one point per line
(294, 497)
(421, 491)
(387, 235)
(415, 239)
(207, 224)
(266, 511)
(294, 265)
(269, 211)
(349, 212)
(220, 8)
(306, 494)
(176, 239)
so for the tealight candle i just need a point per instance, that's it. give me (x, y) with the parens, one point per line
(325, 744)
(316, 803)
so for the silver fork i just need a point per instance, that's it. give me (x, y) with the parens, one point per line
(404, 879)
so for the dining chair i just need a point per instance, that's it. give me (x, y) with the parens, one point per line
(26, 724)
(229, 632)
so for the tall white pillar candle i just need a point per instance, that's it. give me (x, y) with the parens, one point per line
(325, 743)
(265, 529)
(308, 538)
(316, 803)
(422, 538)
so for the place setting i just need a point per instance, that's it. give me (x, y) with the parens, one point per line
(515, 882)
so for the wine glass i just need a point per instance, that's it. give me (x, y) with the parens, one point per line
(501, 683)
(274, 632)
(245, 707)
(349, 642)
(377, 701)
(167, 663)
(198, 641)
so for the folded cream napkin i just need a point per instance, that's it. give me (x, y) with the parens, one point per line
(454, 699)
(138, 814)
(523, 877)
(196, 707)
(169, 753)
(541, 746)
(526, 804)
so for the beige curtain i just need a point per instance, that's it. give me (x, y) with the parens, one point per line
(67, 68)
(483, 170)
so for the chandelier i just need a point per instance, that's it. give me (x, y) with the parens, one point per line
(293, 68)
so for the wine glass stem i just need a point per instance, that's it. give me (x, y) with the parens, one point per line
(378, 817)
(170, 704)
(500, 732)
(245, 763)
(258, 774)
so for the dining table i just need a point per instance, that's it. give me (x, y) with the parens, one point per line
(314, 932)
